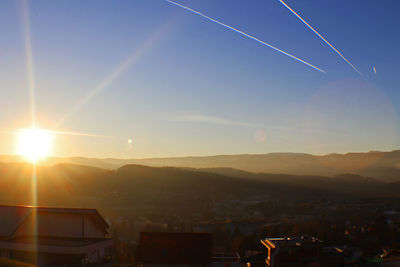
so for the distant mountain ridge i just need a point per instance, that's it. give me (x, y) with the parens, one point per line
(140, 187)
(375, 164)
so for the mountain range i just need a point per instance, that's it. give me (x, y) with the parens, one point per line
(383, 166)
(137, 186)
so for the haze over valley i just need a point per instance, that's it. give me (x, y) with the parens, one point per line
(383, 166)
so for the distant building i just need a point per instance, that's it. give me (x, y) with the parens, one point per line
(53, 236)
(390, 258)
(181, 249)
(167, 249)
(226, 260)
(300, 251)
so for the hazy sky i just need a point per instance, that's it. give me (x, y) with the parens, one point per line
(178, 84)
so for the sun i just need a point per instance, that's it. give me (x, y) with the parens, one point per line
(35, 144)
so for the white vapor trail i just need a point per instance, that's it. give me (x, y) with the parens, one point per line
(245, 34)
(320, 36)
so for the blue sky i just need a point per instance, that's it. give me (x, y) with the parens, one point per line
(178, 84)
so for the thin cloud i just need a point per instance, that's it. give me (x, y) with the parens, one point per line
(217, 120)
(200, 118)
(54, 132)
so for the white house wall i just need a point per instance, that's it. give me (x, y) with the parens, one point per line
(91, 229)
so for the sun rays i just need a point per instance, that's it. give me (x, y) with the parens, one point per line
(133, 58)
(95, 93)
(36, 144)
(29, 59)
(128, 63)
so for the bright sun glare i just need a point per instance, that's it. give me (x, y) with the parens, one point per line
(34, 144)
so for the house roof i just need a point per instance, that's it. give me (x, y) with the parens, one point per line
(56, 246)
(174, 248)
(11, 217)
(4, 262)
(301, 241)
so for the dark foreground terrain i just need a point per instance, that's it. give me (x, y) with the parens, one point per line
(239, 208)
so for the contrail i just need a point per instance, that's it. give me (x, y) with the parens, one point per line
(245, 34)
(320, 36)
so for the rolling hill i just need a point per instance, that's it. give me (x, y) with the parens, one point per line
(136, 186)
(383, 166)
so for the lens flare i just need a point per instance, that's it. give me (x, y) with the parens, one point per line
(349, 113)
(260, 136)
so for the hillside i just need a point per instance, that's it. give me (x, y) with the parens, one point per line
(379, 165)
(138, 187)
